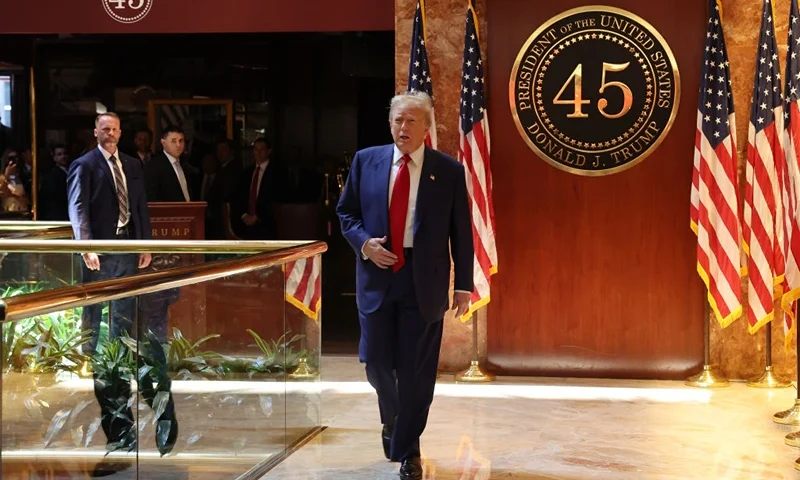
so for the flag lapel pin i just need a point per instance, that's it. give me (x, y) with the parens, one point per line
(433, 177)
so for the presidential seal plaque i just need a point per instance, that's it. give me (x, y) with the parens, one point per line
(594, 90)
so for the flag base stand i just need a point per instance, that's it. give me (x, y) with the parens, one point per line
(792, 439)
(768, 379)
(789, 417)
(474, 374)
(303, 371)
(708, 378)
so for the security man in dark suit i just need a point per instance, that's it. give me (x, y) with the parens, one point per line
(166, 179)
(166, 182)
(107, 200)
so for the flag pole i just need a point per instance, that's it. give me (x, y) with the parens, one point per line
(769, 379)
(474, 374)
(792, 416)
(708, 377)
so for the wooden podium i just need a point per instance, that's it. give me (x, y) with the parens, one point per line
(181, 221)
(178, 220)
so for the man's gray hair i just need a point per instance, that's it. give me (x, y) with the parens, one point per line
(414, 99)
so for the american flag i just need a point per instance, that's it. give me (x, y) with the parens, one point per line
(714, 209)
(473, 153)
(304, 285)
(419, 70)
(791, 190)
(763, 221)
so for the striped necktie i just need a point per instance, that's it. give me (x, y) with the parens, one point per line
(122, 192)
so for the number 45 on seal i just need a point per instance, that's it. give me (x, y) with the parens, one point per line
(578, 101)
(134, 4)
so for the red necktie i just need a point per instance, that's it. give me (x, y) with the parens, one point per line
(398, 211)
(254, 191)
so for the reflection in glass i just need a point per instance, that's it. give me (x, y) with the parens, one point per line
(219, 393)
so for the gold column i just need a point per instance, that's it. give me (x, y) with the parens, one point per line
(35, 173)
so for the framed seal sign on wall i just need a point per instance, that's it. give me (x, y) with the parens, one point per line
(594, 90)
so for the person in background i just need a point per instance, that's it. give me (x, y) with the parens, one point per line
(166, 179)
(53, 191)
(14, 199)
(143, 140)
(261, 186)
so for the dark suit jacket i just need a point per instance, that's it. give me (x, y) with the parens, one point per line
(93, 207)
(225, 184)
(162, 181)
(442, 226)
(273, 186)
(53, 194)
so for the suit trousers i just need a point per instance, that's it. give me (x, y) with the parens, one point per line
(154, 312)
(122, 311)
(401, 352)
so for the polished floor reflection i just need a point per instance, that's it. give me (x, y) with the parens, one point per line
(566, 429)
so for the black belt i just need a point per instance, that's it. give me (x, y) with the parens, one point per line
(124, 232)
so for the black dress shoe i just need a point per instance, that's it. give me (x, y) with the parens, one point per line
(411, 469)
(386, 437)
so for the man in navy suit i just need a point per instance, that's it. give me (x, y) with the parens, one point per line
(404, 211)
(107, 200)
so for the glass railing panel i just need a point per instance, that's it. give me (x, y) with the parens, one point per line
(302, 347)
(217, 407)
(206, 380)
(51, 423)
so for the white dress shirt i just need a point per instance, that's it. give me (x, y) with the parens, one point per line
(176, 165)
(107, 156)
(414, 172)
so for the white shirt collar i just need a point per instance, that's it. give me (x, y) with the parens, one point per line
(262, 166)
(106, 154)
(171, 159)
(416, 156)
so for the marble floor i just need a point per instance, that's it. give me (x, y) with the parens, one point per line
(548, 428)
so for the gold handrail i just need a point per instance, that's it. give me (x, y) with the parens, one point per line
(35, 230)
(48, 301)
(146, 246)
(32, 224)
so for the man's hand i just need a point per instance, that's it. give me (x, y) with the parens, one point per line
(144, 260)
(460, 303)
(92, 261)
(249, 220)
(381, 257)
